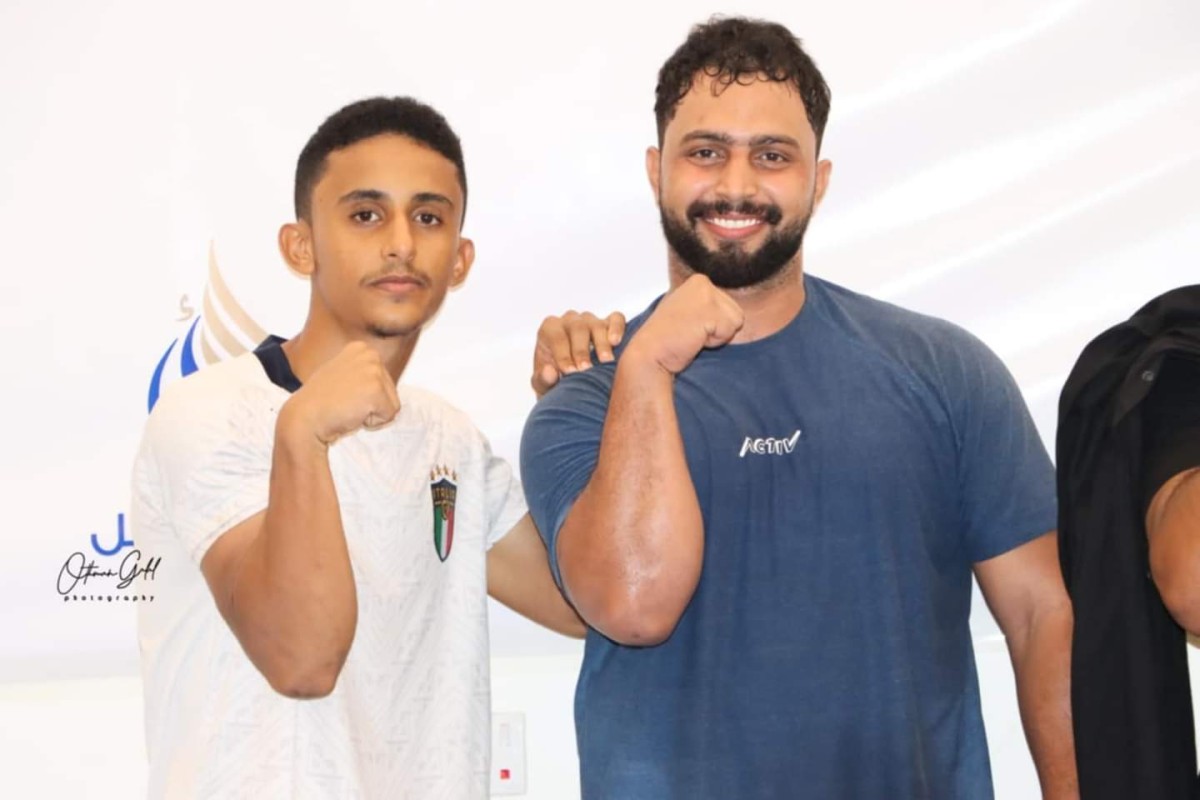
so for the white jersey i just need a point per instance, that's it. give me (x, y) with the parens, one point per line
(421, 501)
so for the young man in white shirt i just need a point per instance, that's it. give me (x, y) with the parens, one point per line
(326, 534)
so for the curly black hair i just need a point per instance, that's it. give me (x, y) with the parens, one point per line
(729, 49)
(371, 117)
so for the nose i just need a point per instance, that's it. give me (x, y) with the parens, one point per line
(398, 244)
(738, 180)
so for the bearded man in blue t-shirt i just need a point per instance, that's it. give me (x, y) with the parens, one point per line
(769, 507)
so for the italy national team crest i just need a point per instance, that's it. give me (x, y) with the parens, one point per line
(442, 483)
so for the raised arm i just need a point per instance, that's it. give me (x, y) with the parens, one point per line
(282, 579)
(631, 548)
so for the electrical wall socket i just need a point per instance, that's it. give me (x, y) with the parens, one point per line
(508, 753)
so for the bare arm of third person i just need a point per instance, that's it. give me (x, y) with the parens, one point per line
(1173, 530)
(631, 548)
(282, 579)
(1025, 591)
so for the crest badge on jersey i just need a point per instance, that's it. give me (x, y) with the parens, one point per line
(443, 484)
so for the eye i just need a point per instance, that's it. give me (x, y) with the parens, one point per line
(773, 157)
(366, 216)
(427, 219)
(704, 154)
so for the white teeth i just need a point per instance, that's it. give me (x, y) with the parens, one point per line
(721, 222)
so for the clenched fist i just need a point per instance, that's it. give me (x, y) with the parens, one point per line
(692, 317)
(352, 390)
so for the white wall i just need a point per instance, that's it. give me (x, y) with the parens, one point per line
(82, 738)
(1026, 169)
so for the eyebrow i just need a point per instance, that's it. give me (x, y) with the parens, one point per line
(432, 197)
(761, 140)
(358, 195)
(375, 195)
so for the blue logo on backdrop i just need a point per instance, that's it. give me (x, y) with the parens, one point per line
(121, 540)
(228, 331)
(187, 364)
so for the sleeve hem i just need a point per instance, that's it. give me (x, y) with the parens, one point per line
(1030, 528)
(237, 513)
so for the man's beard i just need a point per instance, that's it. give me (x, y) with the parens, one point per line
(729, 266)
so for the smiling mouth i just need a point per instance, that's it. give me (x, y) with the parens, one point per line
(734, 223)
(733, 228)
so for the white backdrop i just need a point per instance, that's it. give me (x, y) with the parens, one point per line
(1026, 169)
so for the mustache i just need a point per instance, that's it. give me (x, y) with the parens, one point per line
(393, 271)
(768, 212)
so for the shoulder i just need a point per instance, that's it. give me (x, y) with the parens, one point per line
(584, 395)
(928, 348)
(578, 398)
(229, 395)
(888, 328)
(1176, 388)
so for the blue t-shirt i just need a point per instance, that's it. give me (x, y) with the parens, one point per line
(850, 469)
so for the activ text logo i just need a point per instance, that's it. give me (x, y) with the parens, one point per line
(763, 446)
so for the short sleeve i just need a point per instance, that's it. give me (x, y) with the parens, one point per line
(1006, 478)
(560, 447)
(211, 460)
(1171, 425)
(504, 502)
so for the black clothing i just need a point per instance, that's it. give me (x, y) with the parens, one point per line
(1130, 691)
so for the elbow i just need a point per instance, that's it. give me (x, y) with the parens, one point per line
(1181, 596)
(304, 682)
(633, 613)
(575, 628)
(1176, 575)
(634, 602)
(627, 621)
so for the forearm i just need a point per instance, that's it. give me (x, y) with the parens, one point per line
(632, 547)
(1174, 535)
(294, 596)
(1041, 657)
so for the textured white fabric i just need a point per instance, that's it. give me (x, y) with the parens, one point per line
(409, 715)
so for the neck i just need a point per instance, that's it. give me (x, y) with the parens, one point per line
(768, 306)
(316, 344)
